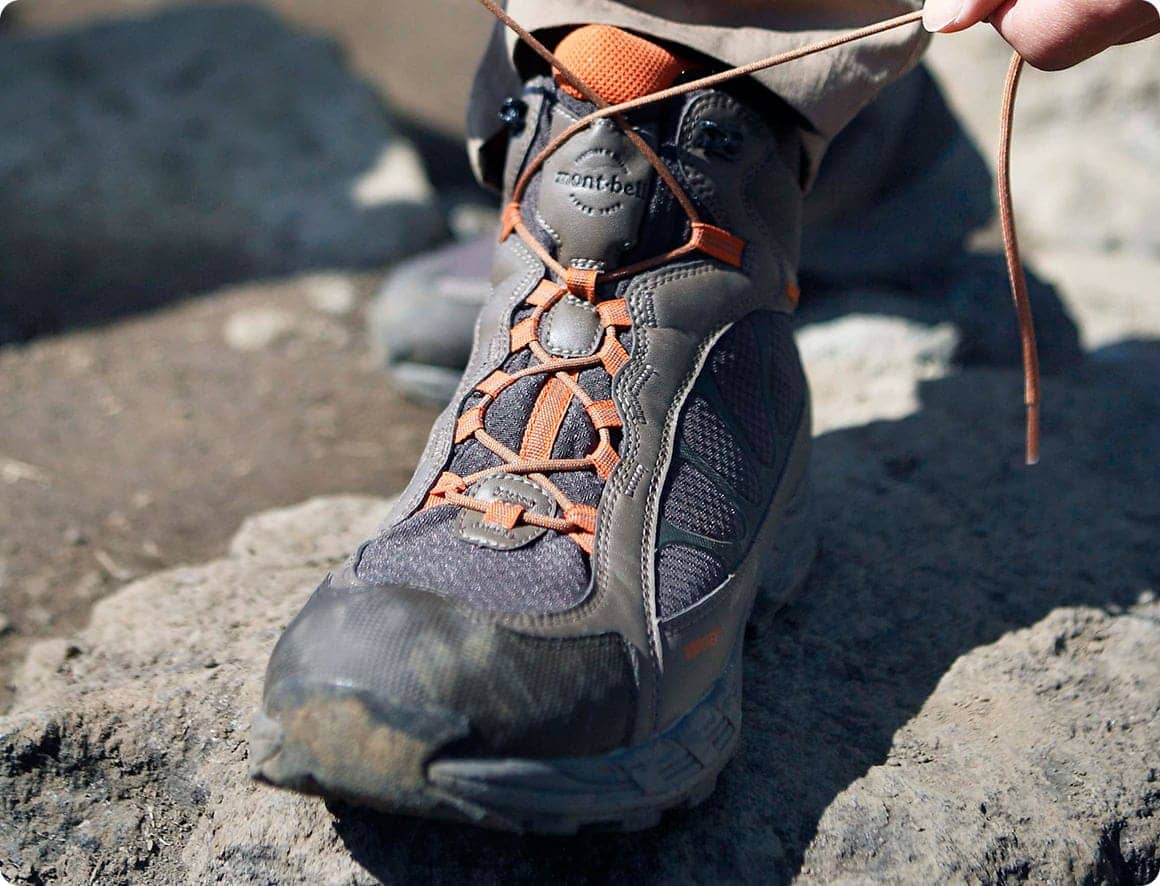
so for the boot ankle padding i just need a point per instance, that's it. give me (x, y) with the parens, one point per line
(616, 65)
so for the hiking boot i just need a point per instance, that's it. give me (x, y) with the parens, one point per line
(423, 320)
(898, 194)
(547, 634)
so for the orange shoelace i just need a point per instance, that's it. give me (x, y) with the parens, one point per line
(578, 521)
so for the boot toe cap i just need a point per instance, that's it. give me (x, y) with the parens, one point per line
(368, 685)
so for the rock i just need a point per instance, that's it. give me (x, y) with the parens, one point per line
(889, 356)
(1085, 146)
(147, 159)
(1044, 701)
(253, 329)
(965, 691)
(333, 294)
(1111, 295)
(318, 533)
(979, 301)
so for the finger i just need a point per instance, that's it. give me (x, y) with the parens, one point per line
(1151, 29)
(948, 16)
(1056, 34)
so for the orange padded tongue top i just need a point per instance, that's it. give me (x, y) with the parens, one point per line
(617, 65)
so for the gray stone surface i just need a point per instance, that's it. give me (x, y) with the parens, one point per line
(317, 533)
(1086, 141)
(146, 159)
(965, 692)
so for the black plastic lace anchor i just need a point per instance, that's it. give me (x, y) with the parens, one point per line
(717, 140)
(512, 113)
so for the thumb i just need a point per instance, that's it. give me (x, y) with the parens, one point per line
(948, 16)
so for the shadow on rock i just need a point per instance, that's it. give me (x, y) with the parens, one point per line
(971, 291)
(944, 543)
(148, 159)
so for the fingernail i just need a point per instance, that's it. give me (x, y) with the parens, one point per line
(937, 14)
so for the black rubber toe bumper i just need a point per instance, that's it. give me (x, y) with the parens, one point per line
(368, 685)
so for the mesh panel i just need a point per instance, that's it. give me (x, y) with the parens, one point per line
(507, 417)
(788, 378)
(755, 371)
(739, 371)
(695, 505)
(706, 435)
(577, 437)
(424, 552)
(583, 487)
(684, 575)
(597, 383)
(471, 456)
(521, 359)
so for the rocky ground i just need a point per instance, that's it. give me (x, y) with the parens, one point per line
(133, 447)
(396, 46)
(966, 691)
(142, 165)
(185, 151)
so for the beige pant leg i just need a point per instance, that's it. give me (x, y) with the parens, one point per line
(827, 89)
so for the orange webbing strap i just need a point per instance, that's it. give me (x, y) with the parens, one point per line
(604, 459)
(545, 293)
(612, 355)
(534, 459)
(546, 420)
(504, 514)
(523, 334)
(581, 282)
(509, 219)
(446, 484)
(583, 517)
(603, 414)
(468, 423)
(494, 383)
(718, 243)
(614, 313)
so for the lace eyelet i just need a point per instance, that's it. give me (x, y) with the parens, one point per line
(512, 114)
(717, 140)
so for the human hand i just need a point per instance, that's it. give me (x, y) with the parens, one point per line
(1051, 34)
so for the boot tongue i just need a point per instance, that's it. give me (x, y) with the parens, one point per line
(616, 65)
(595, 187)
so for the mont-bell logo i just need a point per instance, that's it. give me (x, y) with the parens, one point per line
(611, 184)
(598, 182)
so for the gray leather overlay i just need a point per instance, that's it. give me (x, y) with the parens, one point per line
(471, 525)
(571, 328)
(593, 194)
